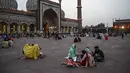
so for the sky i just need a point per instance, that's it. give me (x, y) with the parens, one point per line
(93, 11)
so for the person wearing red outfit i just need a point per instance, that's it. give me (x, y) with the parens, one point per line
(87, 60)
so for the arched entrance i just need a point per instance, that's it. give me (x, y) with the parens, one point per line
(13, 28)
(32, 27)
(3, 27)
(50, 21)
(23, 28)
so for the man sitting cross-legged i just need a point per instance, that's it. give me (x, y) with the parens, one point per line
(98, 55)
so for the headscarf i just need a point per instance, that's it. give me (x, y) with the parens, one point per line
(87, 50)
(72, 51)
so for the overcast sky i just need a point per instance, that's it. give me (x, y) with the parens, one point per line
(94, 11)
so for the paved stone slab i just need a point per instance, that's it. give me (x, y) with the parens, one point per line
(117, 58)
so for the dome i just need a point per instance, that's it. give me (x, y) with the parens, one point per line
(62, 14)
(8, 4)
(31, 5)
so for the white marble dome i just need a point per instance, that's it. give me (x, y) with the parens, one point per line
(8, 4)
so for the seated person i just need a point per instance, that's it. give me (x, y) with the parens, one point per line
(79, 39)
(88, 50)
(75, 39)
(40, 54)
(10, 43)
(87, 60)
(99, 37)
(28, 51)
(6, 43)
(12, 38)
(98, 55)
(6, 39)
(59, 37)
(72, 54)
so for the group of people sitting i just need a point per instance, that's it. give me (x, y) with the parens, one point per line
(8, 42)
(86, 59)
(101, 36)
(31, 52)
(77, 39)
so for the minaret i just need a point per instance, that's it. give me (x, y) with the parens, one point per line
(38, 15)
(79, 15)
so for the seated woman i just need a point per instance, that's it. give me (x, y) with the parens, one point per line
(88, 50)
(98, 55)
(72, 52)
(71, 58)
(87, 60)
(32, 51)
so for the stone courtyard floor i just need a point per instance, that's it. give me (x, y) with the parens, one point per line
(116, 50)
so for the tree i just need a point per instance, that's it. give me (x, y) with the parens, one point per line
(92, 26)
(101, 25)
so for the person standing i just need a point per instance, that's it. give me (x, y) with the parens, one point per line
(48, 34)
(122, 35)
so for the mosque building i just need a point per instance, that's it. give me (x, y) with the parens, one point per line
(13, 20)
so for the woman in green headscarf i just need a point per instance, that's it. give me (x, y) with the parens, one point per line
(71, 58)
(72, 52)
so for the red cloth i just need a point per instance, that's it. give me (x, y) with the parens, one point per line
(12, 38)
(86, 62)
(70, 62)
(83, 63)
(106, 37)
